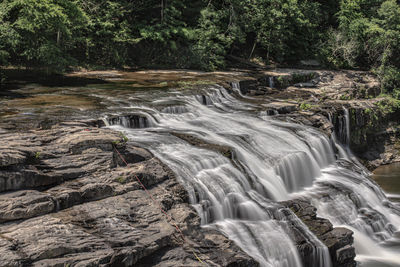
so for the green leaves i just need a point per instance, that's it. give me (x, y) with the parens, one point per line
(8, 41)
(374, 29)
(57, 34)
(40, 31)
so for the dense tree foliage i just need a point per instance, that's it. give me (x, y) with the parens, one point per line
(368, 36)
(42, 32)
(57, 34)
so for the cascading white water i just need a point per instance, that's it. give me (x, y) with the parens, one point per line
(271, 82)
(139, 121)
(344, 129)
(269, 112)
(272, 161)
(347, 123)
(356, 202)
(106, 123)
(341, 152)
(349, 198)
(175, 109)
(236, 88)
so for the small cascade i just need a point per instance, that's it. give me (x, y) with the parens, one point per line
(106, 123)
(175, 110)
(204, 99)
(265, 240)
(356, 202)
(271, 82)
(342, 128)
(132, 121)
(236, 88)
(295, 176)
(347, 123)
(365, 247)
(346, 197)
(319, 255)
(341, 152)
(269, 112)
(343, 147)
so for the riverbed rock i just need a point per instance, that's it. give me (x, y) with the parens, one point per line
(374, 131)
(68, 199)
(195, 141)
(282, 107)
(338, 240)
(307, 85)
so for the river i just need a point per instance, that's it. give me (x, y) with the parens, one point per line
(272, 160)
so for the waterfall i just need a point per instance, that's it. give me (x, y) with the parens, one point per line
(347, 123)
(271, 82)
(271, 161)
(106, 123)
(175, 109)
(341, 152)
(343, 148)
(356, 202)
(343, 128)
(269, 112)
(137, 121)
(236, 88)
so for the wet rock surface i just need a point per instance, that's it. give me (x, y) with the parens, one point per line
(310, 97)
(338, 240)
(67, 199)
(194, 141)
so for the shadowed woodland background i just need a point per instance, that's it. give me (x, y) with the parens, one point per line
(58, 35)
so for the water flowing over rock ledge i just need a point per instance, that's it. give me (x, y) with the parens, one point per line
(70, 172)
(67, 201)
(338, 240)
(311, 97)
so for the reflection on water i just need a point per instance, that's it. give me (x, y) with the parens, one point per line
(388, 177)
(27, 102)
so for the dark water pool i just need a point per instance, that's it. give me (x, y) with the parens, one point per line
(388, 177)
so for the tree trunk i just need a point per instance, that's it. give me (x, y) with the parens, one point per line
(254, 47)
(162, 11)
(269, 46)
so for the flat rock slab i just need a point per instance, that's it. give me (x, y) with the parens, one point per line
(67, 199)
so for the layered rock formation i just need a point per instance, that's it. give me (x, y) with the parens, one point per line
(68, 200)
(338, 240)
(310, 97)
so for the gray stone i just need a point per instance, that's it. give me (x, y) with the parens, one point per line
(77, 204)
(338, 240)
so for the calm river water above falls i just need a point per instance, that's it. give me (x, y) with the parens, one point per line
(272, 161)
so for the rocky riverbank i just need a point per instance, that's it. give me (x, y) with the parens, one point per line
(68, 200)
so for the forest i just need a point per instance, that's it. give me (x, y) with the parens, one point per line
(59, 35)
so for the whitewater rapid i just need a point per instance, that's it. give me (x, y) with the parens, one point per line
(271, 161)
